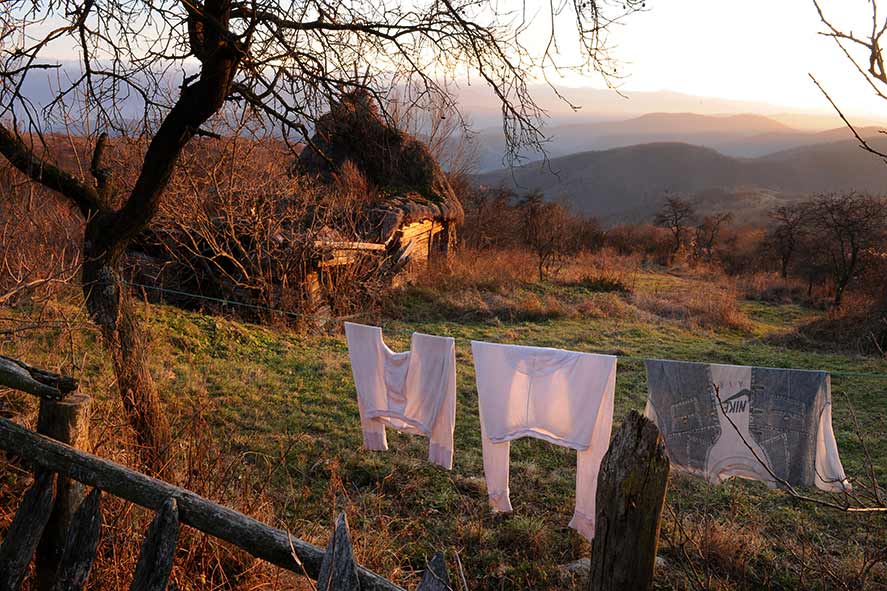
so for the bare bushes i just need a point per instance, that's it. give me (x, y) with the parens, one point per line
(651, 243)
(236, 227)
(39, 240)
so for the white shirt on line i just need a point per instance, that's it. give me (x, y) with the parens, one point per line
(412, 391)
(563, 397)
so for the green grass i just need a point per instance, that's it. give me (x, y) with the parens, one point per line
(271, 393)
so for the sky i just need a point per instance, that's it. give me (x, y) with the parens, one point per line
(742, 50)
(759, 50)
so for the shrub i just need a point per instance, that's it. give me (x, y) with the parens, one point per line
(707, 306)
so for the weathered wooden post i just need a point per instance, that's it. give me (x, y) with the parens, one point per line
(67, 421)
(338, 572)
(630, 497)
(24, 532)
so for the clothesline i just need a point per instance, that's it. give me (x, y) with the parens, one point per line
(406, 331)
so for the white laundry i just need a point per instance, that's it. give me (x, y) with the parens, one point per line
(563, 397)
(413, 391)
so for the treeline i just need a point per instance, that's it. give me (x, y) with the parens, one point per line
(833, 240)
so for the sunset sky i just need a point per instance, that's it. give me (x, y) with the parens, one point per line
(759, 50)
(748, 50)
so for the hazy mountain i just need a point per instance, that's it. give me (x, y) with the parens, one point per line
(744, 135)
(628, 183)
(596, 105)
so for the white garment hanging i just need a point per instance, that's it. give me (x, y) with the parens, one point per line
(413, 391)
(563, 397)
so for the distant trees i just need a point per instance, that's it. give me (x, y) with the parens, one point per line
(835, 236)
(676, 215)
(548, 229)
(707, 233)
(850, 230)
(785, 233)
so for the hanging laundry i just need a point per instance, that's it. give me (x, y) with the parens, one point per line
(721, 421)
(413, 391)
(563, 397)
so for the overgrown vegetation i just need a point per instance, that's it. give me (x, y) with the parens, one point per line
(275, 408)
(276, 411)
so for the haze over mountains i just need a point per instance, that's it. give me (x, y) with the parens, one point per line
(741, 163)
(745, 136)
(617, 157)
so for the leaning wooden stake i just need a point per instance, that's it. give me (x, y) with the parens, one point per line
(436, 577)
(338, 572)
(24, 532)
(630, 496)
(158, 550)
(65, 420)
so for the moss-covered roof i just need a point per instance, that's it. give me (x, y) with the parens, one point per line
(409, 182)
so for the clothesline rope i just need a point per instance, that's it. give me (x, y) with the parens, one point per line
(841, 373)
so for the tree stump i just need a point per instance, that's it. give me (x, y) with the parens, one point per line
(630, 497)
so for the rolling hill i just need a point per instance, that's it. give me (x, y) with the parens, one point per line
(628, 183)
(745, 135)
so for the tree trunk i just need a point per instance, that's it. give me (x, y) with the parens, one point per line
(111, 309)
(630, 496)
(840, 286)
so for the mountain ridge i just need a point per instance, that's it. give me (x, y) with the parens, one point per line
(627, 184)
(741, 135)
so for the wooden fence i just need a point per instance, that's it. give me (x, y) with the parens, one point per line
(58, 526)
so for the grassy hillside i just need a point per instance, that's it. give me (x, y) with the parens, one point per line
(281, 410)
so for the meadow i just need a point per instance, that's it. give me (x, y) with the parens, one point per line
(267, 421)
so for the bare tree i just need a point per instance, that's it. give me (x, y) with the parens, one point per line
(676, 215)
(706, 235)
(849, 229)
(785, 232)
(161, 69)
(865, 56)
(548, 229)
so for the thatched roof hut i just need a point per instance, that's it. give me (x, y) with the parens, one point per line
(415, 212)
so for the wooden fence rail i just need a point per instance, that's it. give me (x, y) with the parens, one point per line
(62, 528)
(262, 541)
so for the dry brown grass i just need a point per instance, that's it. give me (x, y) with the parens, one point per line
(603, 271)
(706, 304)
(503, 285)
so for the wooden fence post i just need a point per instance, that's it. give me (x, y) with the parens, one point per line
(630, 497)
(81, 545)
(67, 421)
(158, 550)
(24, 532)
(338, 572)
